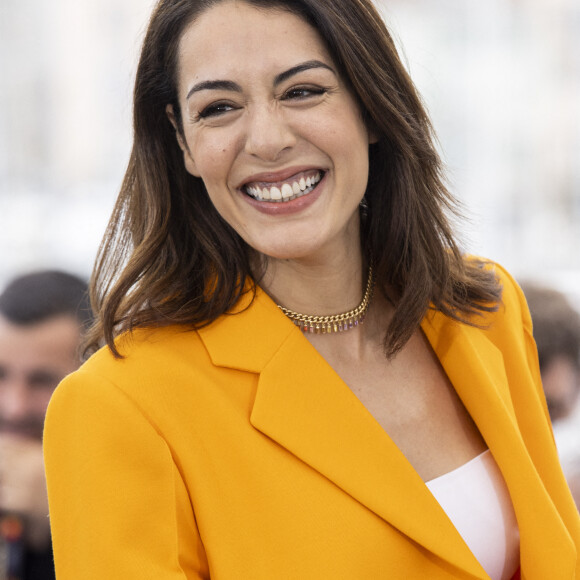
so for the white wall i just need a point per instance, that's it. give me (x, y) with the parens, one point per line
(501, 79)
(66, 74)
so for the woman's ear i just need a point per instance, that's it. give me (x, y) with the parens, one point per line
(190, 165)
(373, 135)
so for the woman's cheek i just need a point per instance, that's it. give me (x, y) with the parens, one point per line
(214, 158)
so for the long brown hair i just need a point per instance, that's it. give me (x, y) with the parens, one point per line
(169, 258)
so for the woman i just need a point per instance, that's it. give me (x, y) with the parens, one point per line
(283, 164)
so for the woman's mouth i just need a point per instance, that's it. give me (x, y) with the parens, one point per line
(296, 186)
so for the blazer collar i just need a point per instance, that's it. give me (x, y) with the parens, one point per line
(249, 336)
(302, 404)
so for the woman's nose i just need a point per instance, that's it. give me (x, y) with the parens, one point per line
(268, 133)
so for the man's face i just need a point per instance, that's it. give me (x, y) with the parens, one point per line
(33, 360)
(561, 381)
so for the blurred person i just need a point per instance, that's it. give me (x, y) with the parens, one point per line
(42, 317)
(556, 328)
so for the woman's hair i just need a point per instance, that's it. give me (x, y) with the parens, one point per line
(168, 257)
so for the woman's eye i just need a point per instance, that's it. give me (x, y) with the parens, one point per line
(303, 92)
(215, 110)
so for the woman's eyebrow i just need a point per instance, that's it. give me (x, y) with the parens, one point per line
(218, 85)
(309, 64)
(214, 85)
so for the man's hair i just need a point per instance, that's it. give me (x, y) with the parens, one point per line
(555, 322)
(39, 296)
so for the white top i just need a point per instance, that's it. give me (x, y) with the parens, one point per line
(476, 500)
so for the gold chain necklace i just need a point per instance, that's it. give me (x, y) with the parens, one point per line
(337, 322)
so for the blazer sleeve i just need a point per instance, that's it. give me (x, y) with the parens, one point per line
(119, 508)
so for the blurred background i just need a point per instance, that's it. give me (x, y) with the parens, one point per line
(501, 79)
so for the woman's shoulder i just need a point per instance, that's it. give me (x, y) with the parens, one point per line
(161, 369)
(509, 324)
(148, 357)
(513, 303)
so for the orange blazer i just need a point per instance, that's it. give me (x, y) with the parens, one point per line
(236, 452)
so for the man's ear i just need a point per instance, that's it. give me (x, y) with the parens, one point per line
(190, 165)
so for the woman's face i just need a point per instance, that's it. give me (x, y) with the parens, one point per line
(272, 129)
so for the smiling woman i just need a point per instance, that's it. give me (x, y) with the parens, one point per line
(295, 345)
(255, 129)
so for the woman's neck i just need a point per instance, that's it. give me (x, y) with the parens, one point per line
(327, 287)
(329, 283)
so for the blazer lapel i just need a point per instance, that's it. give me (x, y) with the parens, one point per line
(476, 368)
(303, 405)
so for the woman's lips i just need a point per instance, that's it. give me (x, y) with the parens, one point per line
(291, 204)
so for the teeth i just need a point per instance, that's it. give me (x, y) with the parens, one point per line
(286, 192)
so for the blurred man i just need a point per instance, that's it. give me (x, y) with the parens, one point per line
(556, 327)
(42, 317)
(557, 334)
